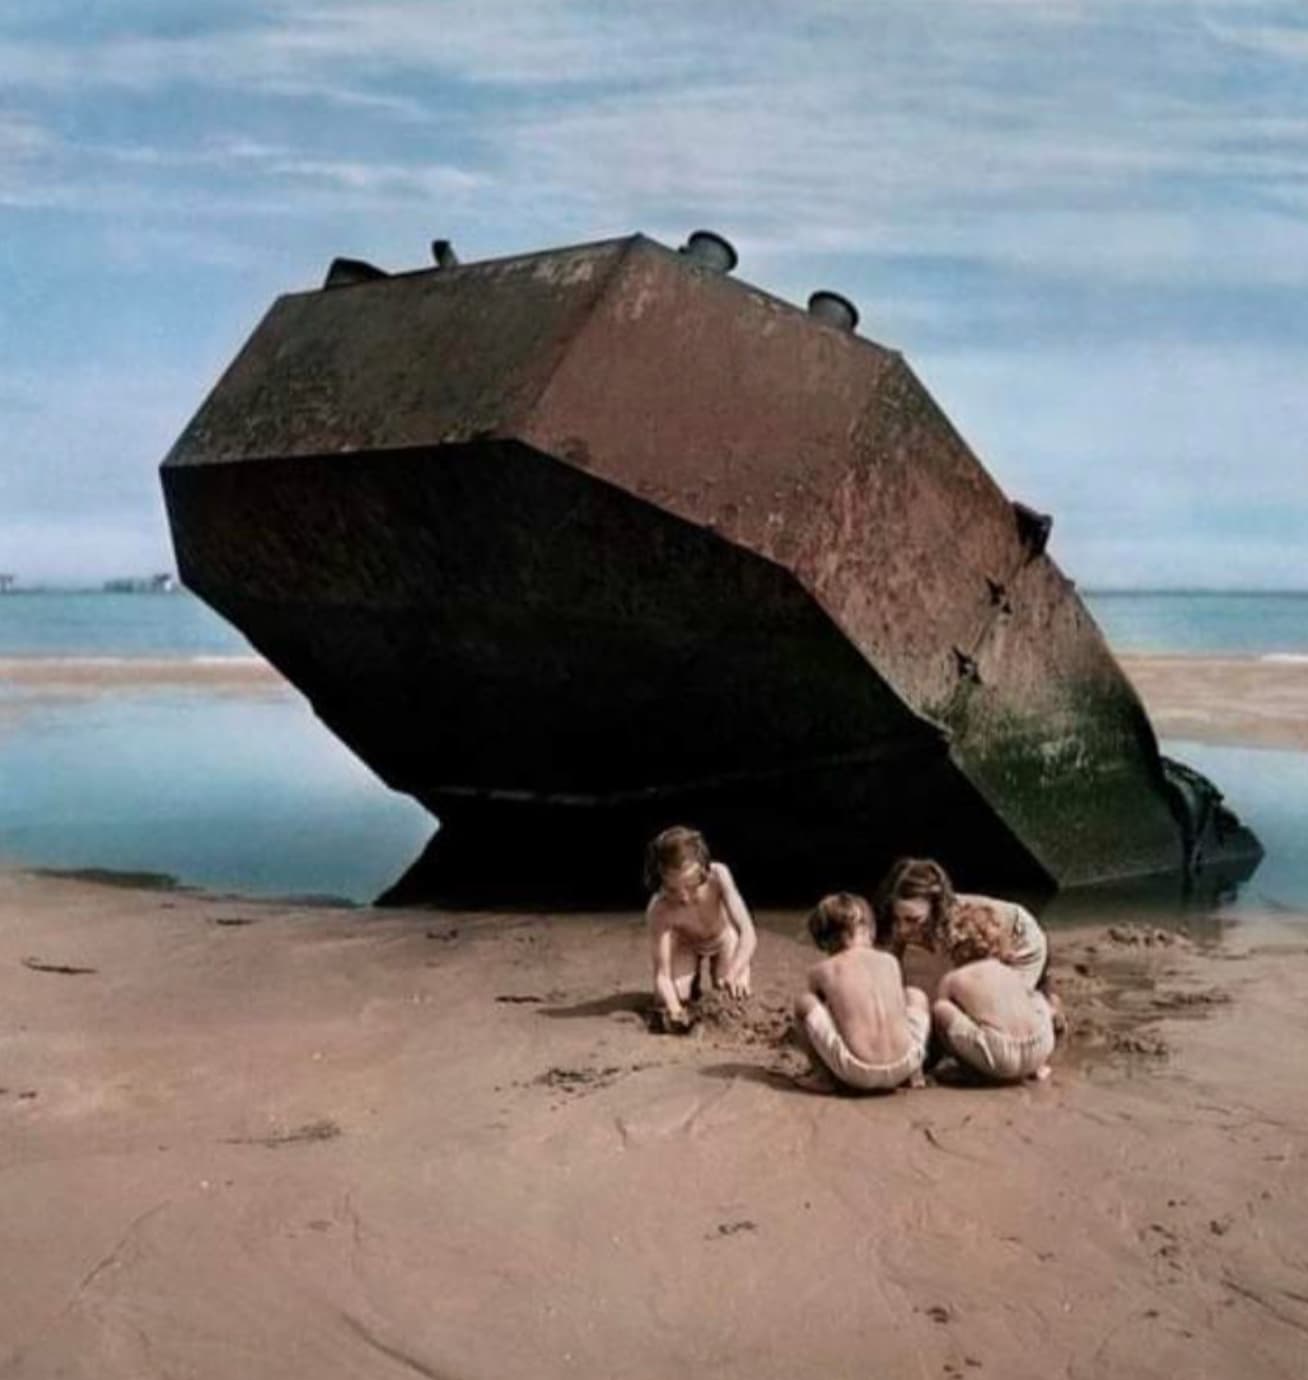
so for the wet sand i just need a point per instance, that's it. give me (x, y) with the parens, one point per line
(1240, 701)
(55, 675)
(255, 1139)
(260, 1139)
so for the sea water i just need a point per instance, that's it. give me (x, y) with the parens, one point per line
(232, 790)
(1203, 622)
(246, 791)
(79, 623)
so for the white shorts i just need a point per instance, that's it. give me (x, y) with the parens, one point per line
(992, 1052)
(834, 1052)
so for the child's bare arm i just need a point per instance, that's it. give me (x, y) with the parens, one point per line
(736, 979)
(665, 989)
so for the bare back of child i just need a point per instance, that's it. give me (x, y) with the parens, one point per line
(994, 1023)
(857, 1017)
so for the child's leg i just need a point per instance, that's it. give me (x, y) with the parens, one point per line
(685, 968)
(918, 1015)
(804, 1003)
(819, 1078)
(961, 1035)
(726, 951)
(1053, 1009)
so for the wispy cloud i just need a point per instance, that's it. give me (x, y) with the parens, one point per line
(100, 452)
(21, 138)
(1041, 134)
(1246, 27)
(280, 163)
(24, 143)
(1084, 219)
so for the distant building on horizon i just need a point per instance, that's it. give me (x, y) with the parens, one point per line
(162, 583)
(6, 582)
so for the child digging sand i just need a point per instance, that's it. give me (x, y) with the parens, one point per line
(857, 1017)
(695, 913)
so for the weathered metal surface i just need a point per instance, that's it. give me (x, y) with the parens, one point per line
(573, 545)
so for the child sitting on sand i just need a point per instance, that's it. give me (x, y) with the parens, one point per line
(857, 1016)
(987, 1017)
(695, 913)
(916, 904)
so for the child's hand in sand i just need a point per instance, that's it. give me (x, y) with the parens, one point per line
(677, 1022)
(737, 984)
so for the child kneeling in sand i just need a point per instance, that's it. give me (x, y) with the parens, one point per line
(917, 903)
(987, 1017)
(857, 1016)
(695, 913)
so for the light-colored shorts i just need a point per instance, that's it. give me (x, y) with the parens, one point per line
(834, 1052)
(992, 1052)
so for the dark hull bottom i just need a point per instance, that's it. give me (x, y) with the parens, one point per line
(511, 858)
(786, 846)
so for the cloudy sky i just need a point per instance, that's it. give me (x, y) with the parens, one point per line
(1085, 222)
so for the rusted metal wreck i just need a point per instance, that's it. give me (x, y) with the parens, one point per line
(576, 544)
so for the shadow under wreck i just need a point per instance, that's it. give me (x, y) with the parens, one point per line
(573, 545)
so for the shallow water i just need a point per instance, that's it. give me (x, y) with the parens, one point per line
(1268, 789)
(241, 793)
(248, 792)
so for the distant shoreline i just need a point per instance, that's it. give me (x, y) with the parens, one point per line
(91, 673)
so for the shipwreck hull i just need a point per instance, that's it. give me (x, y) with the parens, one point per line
(576, 545)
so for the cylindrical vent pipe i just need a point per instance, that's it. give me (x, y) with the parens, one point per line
(442, 251)
(711, 251)
(833, 309)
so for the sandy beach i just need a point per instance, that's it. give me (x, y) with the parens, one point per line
(1241, 701)
(92, 675)
(260, 1139)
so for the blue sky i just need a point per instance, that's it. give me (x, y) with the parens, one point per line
(1085, 224)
